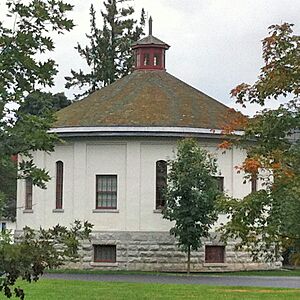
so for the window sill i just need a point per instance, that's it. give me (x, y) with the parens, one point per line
(100, 210)
(157, 211)
(215, 265)
(104, 264)
(27, 211)
(58, 210)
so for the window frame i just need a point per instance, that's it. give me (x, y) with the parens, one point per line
(146, 59)
(28, 193)
(101, 260)
(3, 226)
(160, 183)
(59, 185)
(220, 183)
(107, 192)
(253, 181)
(215, 261)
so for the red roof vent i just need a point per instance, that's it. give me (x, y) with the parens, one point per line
(149, 52)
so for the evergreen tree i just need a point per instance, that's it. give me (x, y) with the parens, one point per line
(108, 55)
(191, 196)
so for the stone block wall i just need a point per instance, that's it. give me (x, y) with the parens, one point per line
(157, 251)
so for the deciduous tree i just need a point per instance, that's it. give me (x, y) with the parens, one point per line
(22, 73)
(191, 195)
(36, 251)
(269, 220)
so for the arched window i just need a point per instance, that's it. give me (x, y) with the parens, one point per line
(161, 182)
(59, 184)
(253, 183)
(28, 193)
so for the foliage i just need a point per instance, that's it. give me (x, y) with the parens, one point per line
(191, 195)
(36, 251)
(39, 103)
(22, 73)
(8, 190)
(270, 219)
(108, 54)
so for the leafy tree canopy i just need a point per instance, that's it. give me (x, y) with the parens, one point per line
(191, 195)
(37, 251)
(108, 54)
(270, 219)
(23, 73)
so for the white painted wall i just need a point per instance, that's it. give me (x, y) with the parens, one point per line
(133, 161)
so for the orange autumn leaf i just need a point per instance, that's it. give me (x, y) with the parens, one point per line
(276, 166)
(251, 165)
(225, 145)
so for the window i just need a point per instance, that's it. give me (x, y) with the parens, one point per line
(156, 60)
(104, 253)
(28, 193)
(146, 59)
(253, 183)
(214, 254)
(59, 184)
(3, 226)
(220, 183)
(161, 183)
(106, 191)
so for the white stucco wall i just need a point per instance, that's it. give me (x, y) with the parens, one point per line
(133, 161)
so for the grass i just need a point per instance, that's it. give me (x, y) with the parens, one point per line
(282, 272)
(47, 289)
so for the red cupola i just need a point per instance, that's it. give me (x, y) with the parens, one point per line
(149, 52)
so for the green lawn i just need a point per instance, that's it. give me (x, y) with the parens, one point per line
(47, 289)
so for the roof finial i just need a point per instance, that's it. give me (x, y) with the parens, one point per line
(150, 25)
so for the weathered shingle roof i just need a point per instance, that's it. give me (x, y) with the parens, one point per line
(145, 98)
(150, 40)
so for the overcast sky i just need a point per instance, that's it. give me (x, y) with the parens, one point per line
(215, 44)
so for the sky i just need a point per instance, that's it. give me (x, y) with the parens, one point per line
(215, 44)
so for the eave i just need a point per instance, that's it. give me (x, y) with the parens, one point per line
(129, 131)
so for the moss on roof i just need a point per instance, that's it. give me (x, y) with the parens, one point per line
(146, 98)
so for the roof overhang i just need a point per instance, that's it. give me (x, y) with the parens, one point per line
(124, 131)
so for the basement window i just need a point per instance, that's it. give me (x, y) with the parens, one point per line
(214, 254)
(105, 253)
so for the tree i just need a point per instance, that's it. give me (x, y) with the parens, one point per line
(36, 251)
(191, 196)
(109, 54)
(269, 220)
(40, 103)
(8, 190)
(22, 73)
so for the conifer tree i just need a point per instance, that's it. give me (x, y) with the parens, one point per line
(108, 54)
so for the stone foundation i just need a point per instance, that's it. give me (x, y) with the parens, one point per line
(157, 251)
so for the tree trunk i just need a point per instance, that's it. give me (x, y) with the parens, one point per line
(189, 260)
